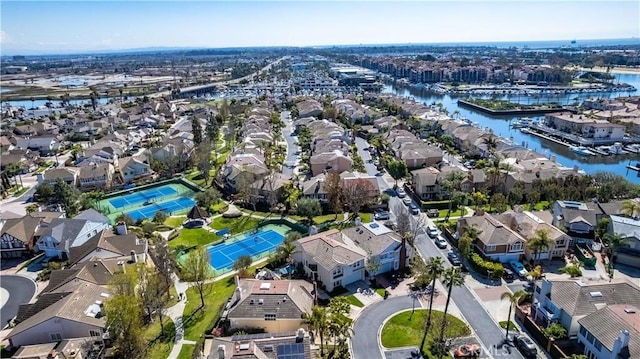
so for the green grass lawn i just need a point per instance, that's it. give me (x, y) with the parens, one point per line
(404, 330)
(235, 225)
(512, 326)
(175, 222)
(320, 219)
(186, 351)
(366, 217)
(355, 301)
(159, 343)
(196, 177)
(258, 213)
(540, 206)
(193, 237)
(380, 291)
(459, 213)
(199, 320)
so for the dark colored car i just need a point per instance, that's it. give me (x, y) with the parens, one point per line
(381, 214)
(526, 347)
(454, 258)
(508, 274)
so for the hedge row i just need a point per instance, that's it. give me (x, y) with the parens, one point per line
(437, 205)
(484, 267)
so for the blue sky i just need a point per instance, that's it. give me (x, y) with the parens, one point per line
(52, 26)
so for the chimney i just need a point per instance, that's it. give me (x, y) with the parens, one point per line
(237, 295)
(221, 352)
(621, 342)
(134, 259)
(122, 267)
(121, 228)
(300, 335)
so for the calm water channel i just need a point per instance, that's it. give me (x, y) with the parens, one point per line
(500, 126)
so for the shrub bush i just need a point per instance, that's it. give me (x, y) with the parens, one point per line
(484, 267)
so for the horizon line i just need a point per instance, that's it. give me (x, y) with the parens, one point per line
(33, 52)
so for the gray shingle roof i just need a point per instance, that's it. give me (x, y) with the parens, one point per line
(329, 251)
(607, 323)
(287, 299)
(575, 298)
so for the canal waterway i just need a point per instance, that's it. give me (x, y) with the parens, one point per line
(501, 124)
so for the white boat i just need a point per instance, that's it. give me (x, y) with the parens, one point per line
(617, 149)
(581, 150)
(523, 122)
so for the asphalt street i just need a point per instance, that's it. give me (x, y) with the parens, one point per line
(365, 340)
(486, 330)
(20, 289)
(292, 160)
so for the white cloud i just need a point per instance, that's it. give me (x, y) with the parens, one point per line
(4, 37)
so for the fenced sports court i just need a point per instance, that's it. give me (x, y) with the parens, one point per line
(172, 198)
(254, 243)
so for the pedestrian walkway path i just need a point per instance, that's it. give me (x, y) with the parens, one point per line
(175, 313)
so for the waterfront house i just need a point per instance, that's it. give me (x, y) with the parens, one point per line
(331, 260)
(495, 241)
(275, 306)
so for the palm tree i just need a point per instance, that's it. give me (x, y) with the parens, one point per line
(540, 242)
(318, 324)
(491, 142)
(452, 184)
(513, 300)
(630, 208)
(615, 241)
(452, 277)
(286, 250)
(434, 270)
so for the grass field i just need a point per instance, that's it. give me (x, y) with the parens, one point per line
(199, 320)
(403, 329)
(186, 351)
(235, 225)
(175, 222)
(193, 237)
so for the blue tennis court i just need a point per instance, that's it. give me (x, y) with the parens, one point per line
(142, 196)
(168, 207)
(253, 244)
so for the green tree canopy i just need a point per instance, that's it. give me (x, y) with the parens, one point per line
(309, 208)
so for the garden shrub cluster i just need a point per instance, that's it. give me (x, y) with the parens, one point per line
(485, 267)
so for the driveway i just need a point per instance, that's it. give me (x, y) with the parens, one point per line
(291, 160)
(365, 341)
(15, 290)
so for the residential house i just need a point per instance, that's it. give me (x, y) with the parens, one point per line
(276, 306)
(241, 168)
(331, 260)
(611, 333)
(269, 189)
(309, 108)
(259, 346)
(69, 175)
(67, 349)
(335, 161)
(585, 126)
(98, 272)
(59, 316)
(576, 217)
(314, 188)
(64, 233)
(382, 245)
(17, 236)
(25, 158)
(527, 225)
(495, 241)
(45, 145)
(569, 301)
(629, 230)
(428, 183)
(133, 168)
(96, 175)
(108, 245)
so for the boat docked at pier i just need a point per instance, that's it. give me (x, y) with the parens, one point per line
(581, 150)
(522, 123)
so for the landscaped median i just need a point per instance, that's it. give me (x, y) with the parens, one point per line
(405, 330)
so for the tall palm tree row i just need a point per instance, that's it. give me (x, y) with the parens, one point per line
(513, 301)
(435, 269)
(452, 277)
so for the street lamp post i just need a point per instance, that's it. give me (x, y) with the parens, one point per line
(413, 296)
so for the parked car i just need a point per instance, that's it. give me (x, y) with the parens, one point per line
(454, 258)
(414, 209)
(441, 242)
(401, 193)
(432, 231)
(467, 351)
(380, 214)
(391, 225)
(433, 212)
(508, 274)
(519, 268)
(526, 346)
(407, 200)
